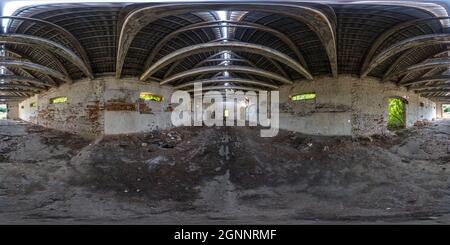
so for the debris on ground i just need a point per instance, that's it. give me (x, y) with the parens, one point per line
(223, 174)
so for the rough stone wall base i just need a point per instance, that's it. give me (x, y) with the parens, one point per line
(98, 107)
(343, 106)
(348, 106)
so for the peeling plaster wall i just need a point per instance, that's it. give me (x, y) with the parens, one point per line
(81, 114)
(328, 114)
(27, 112)
(370, 103)
(343, 106)
(101, 106)
(126, 113)
(13, 110)
(439, 111)
(347, 106)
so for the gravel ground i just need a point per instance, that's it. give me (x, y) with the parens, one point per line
(226, 175)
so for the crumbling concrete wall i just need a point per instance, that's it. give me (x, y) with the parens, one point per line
(343, 106)
(125, 112)
(13, 110)
(28, 112)
(328, 114)
(81, 114)
(347, 106)
(439, 111)
(101, 106)
(370, 105)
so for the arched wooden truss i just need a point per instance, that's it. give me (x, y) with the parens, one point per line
(235, 46)
(314, 18)
(265, 45)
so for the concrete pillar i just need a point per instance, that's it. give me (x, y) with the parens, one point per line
(13, 110)
(438, 110)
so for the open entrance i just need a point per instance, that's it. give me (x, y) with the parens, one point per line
(3, 111)
(396, 113)
(446, 111)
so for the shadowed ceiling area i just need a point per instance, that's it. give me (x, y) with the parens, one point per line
(252, 45)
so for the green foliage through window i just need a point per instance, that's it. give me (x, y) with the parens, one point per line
(446, 108)
(3, 111)
(33, 104)
(58, 100)
(396, 114)
(305, 96)
(150, 96)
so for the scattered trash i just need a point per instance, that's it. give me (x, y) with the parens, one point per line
(174, 136)
(6, 138)
(165, 145)
(154, 162)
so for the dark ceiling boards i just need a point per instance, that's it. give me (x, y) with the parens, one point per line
(86, 40)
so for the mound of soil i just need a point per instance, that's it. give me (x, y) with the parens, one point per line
(223, 174)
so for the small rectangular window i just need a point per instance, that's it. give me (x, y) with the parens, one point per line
(150, 96)
(305, 96)
(58, 100)
(33, 104)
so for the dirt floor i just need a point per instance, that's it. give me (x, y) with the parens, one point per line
(226, 175)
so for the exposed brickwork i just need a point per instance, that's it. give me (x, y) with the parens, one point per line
(119, 106)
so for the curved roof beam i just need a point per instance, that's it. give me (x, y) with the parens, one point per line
(50, 55)
(12, 98)
(218, 24)
(274, 63)
(440, 98)
(445, 86)
(13, 78)
(34, 67)
(219, 54)
(213, 58)
(175, 64)
(385, 35)
(406, 54)
(18, 90)
(25, 71)
(19, 86)
(418, 41)
(227, 80)
(210, 58)
(226, 87)
(49, 78)
(428, 64)
(77, 45)
(247, 47)
(27, 74)
(221, 60)
(313, 18)
(211, 69)
(423, 80)
(435, 90)
(50, 46)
